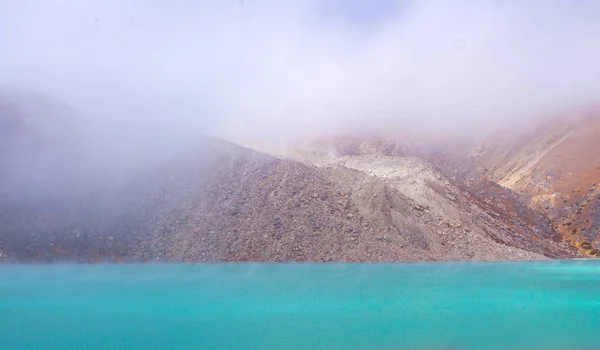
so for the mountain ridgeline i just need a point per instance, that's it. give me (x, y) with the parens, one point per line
(356, 199)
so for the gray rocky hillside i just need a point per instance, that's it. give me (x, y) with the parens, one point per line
(221, 202)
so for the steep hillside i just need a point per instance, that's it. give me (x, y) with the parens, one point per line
(227, 203)
(556, 167)
(216, 201)
(475, 209)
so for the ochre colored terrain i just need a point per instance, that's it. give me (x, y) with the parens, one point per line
(556, 167)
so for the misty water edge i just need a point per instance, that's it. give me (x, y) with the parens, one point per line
(549, 305)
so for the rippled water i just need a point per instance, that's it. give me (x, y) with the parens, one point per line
(552, 305)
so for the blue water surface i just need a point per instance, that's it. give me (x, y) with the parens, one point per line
(550, 305)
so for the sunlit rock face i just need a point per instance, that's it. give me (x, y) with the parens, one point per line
(556, 167)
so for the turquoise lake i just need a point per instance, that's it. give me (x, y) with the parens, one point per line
(550, 305)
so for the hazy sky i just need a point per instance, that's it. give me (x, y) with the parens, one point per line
(268, 69)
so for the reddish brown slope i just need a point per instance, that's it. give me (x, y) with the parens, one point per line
(557, 168)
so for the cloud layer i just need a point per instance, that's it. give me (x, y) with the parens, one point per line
(257, 70)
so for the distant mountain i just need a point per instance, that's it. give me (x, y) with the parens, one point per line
(368, 200)
(556, 168)
(38, 146)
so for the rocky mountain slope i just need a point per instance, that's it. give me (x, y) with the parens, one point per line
(477, 207)
(218, 201)
(556, 168)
